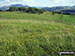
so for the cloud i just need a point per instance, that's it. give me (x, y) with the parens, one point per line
(44, 3)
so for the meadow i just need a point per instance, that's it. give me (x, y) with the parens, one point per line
(26, 34)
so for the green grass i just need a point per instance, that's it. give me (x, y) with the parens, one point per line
(23, 34)
(68, 19)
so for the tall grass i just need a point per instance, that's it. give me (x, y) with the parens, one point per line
(23, 34)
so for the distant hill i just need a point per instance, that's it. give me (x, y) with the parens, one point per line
(73, 6)
(58, 8)
(19, 5)
(14, 5)
(4, 8)
(45, 8)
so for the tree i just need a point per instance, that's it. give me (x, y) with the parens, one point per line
(27, 10)
(0, 10)
(12, 9)
(23, 9)
(53, 13)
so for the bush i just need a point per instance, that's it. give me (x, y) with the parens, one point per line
(27, 10)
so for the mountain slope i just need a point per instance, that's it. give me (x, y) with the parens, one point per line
(14, 5)
(19, 5)
(4, 8)
(58, 8)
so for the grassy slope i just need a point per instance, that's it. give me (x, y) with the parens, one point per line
(23, 34)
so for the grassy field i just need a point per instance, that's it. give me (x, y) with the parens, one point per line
(23, 34)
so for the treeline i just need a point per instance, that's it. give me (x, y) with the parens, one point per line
(27, 10)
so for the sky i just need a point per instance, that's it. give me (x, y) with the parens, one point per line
(41, 3)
